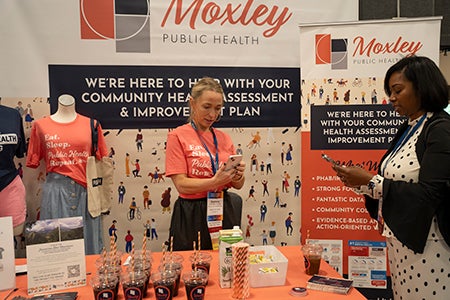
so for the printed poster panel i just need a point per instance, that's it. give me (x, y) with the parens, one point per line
(367, 264)
(346, 114)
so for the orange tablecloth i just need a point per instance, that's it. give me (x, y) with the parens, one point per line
(295, 277)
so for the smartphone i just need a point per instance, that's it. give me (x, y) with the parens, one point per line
(329, 159)
(233, 161)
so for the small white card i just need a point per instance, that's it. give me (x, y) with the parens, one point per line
(7, 259)
(55, 255)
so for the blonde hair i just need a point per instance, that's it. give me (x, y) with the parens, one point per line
(204, 84)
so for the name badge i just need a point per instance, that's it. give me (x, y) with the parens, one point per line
(214, 215)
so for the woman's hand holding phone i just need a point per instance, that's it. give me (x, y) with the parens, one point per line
(233, 161)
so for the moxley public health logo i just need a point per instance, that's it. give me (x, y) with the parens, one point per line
(331, 51)
(126, 22)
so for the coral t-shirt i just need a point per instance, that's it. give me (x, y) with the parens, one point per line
(185, 153)
(64, 147)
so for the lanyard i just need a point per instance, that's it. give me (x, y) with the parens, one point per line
(214, 165)
(402, 141)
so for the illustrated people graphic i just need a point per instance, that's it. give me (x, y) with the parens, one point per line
(128, 242)
(139, 140)
(253, 164)
(272, 232)
(305, 120)
(263, 211)
(285, 182)
(127, 165)
(251, 193)
(255, 141)
(282, 152)
(154, 233)
(269, 162)
(335, 95)
(137, 168)
(347, 97)
(265, 183)
(112, 230)
(277, 198)
(373, 96)
(313, 90)
(28, 116)
(297, 185)
(156, 176)
(146, 197)
(20, 109)
(133, 207)
(288, 224)
(111, 154)
(262, 167)
(249, 226)
(165, 201)
(289, 155)
(121, 190)
(148, 229)
(248, 231)
(264, 236)
(239, 150)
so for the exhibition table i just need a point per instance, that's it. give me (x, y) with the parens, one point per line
(295, 277)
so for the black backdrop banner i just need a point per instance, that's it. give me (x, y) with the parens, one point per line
(353, 126)
(127, 97)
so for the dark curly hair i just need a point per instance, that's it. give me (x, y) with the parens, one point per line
(428, 81)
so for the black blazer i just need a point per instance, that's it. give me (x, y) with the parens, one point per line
(408, 208)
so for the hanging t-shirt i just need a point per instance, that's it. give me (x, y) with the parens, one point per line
(12, 143)
(64, 147)
(185, 153)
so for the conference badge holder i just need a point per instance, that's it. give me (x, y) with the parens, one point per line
(214, 215)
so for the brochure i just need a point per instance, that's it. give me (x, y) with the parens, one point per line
(329, 284)
(55, 255)
(367, 264)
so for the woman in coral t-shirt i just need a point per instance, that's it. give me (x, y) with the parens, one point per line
(195, 156)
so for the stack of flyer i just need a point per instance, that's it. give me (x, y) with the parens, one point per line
(329, 284)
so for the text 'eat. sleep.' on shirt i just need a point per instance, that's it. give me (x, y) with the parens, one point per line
(64, 147)
(185, 153)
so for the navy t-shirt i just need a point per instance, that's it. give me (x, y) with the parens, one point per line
(12, 143)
